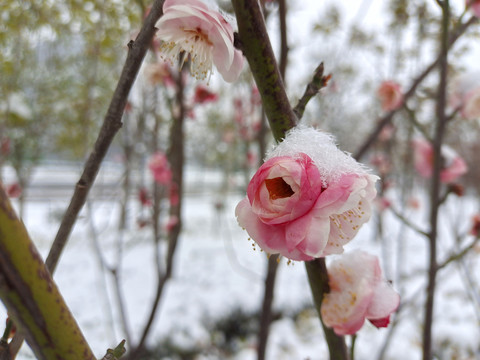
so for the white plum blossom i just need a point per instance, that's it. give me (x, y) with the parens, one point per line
(190, 27)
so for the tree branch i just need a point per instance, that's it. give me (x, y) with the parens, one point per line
(387, 118)
(112, 123)
(316, 84)
(258, 51)
(318, 279)
(31, 297)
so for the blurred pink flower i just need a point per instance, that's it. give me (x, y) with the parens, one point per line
(357, 292)
(383, 203)
(382, 162)
(14, 190)
(190, 26)
(295, 209)
(203, 95)
(5, 146)
(173, 196)
(252, 159)
(475, 230)
(474, 6)
(413, 203)
(390, 95)
(471, 106)
(159, 73)
(465, 95)
(171, 223)
(454, 165)
(160, 169)
(144, 197)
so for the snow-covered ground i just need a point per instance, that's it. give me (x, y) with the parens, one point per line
(217, 271)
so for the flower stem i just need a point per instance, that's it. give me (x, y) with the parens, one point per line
(440, 131)
(258, 51)
(318, 279)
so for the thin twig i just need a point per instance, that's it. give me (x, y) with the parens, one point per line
(115, 354)
(318, 82)
(413, 119)
(112, 123)
(387, 118)
(408, 222)
(459, 255)
(440, 131)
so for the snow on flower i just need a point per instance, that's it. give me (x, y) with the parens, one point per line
(390, 95)
(308, 199)
(190, 26)
(474, 6)
(357, 292)
(453, 167)
(160, 169)
(465, 94)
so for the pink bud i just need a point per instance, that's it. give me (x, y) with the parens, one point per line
(144, 197)
(160, 169)
(203, 95)
(475, 230)
(454, 165)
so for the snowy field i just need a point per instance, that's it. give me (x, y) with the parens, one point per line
(217, 271)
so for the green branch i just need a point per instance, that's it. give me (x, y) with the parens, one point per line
(256, 46)
(31, 297)
(318, 279)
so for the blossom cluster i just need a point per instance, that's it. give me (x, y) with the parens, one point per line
(307, 201)
(309, 198)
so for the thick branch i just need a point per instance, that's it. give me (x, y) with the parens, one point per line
(31, 297)
(258, 51)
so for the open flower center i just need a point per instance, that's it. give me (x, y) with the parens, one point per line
(195, 43)
(278, 188)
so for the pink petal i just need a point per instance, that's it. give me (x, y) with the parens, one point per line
(384, 302)
(380, 322)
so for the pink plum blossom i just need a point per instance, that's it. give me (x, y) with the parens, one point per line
(144, 197)
(474, 6)
(454, 165)
(14, 190)
(160, 169)
(203, 95)
(159, 73)
(475, 230)
(171, 223)
(471, 107)
(357, 292)
(465, 94)
(308, 199)
(390, 95)
(190, 26)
